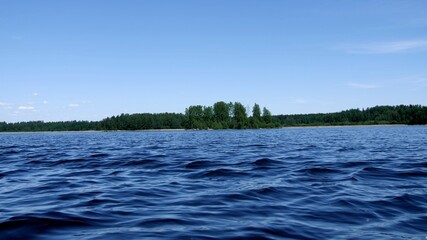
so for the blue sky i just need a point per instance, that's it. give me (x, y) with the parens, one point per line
(86, 60)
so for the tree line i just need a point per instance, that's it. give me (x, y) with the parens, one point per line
(41, 126)
(143, 121)
(402, 114)
(224, 115)
(138, 121)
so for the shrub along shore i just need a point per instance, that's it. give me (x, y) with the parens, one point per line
(224, 115)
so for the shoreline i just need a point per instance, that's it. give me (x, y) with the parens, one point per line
(97, 131)
(182, 129)
(346, 126)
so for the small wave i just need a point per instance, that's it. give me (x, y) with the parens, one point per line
(65, 161)
(307, 148)
(26, 227)
(9, 147)
(84, 173)
(218, 173)
(14, 172)
(269, 193)
(413, 225)
(223, 172)
(284, 232)
(346, 149)
(358, 216)
(37, 155)
(377, 172)
(353, 164)
(408, 203)
(160, 222)
(96, 202)
(232, 197)
(257, 146)
(266, 162)
(419, 165)
(319, 170)
(267, 190)
(142, 162)
(99, 155)
(10, 152)
(200, 164)
(414, 173)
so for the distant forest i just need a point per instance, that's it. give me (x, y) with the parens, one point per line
(224, 115)
(402, 114)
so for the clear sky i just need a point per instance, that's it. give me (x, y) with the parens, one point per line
(89, 59)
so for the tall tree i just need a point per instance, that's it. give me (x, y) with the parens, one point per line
(266, 116)
(256, 112)
(240, 117)
(256, 116)
(194, 115)
(208, 116)
(221, 113)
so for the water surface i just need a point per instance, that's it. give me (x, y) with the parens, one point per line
(303, 183)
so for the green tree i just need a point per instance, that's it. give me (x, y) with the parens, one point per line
(208, 116)
(239, 116)
(194, 115)
(221, 114)
(256, 116)
(256, 112)
(266, 116)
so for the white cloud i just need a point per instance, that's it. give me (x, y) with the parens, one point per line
(26, 108)
(388, 47)
(4, 104)
(35, 94)
(45, 102)
(73, 105)
(362, 85)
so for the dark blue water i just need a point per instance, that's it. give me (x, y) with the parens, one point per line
(310, 183)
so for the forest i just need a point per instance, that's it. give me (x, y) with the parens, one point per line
(402, 114)
(230, 115)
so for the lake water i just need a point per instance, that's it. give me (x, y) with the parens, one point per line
(301, 183)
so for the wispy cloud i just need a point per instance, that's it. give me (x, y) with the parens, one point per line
(387, 47)
(73, 105)
(26, 108)
(363, 85)
(35, 94)
(45, 102)
(6, 105)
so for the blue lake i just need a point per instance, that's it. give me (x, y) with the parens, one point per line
(295, 183)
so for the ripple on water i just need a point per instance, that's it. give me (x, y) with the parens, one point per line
(309, 183)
